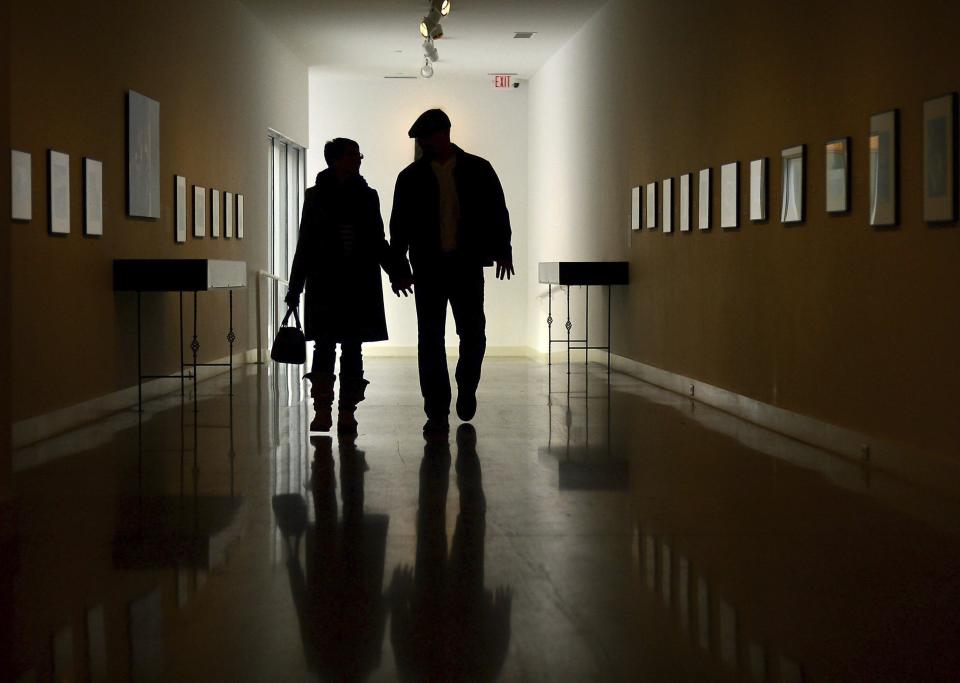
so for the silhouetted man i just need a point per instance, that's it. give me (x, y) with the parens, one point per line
(449, 211)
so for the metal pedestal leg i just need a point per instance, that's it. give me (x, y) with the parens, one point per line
(139, 361)
(231, 338)
(549, 337)
(195, 348)
(182, 383)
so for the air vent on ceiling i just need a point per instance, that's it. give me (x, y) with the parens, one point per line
(524, 34)
(412, 78)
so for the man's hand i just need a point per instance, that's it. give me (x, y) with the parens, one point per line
(404, 285)
(505, 268)
(292, 299)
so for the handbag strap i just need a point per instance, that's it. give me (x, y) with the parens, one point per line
(296, 316)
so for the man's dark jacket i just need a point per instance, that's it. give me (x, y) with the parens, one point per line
(484, 230)
(344, 300)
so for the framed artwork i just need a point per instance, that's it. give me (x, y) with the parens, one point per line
(685, 202)
(180, 208)
(199, 211)
(214, 213)
(729, 192)
(21, 186)
(228, 215)
(758, 189)
(703, 200)
(651, 206)
(92, 198)
(792, 197)
(58, 196)
(635, 208)
(940, 159)
(239, 216)
(667, 192)
(838, 175)
(884, 184)
(143, 156)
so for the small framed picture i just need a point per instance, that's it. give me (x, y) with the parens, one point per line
(792, 198)
(199, 211)
(214, 213)
(729, 194)
(667, 201)
(59, 192)
(940, 159)
(651, 206)
(228, 215)
(180, 209)
(685, 202)
(92, 198)
(635, 208)
(838, 175)
(239, 216)
(758, 189)
(884, 171)
(703, 200)
(21, 186)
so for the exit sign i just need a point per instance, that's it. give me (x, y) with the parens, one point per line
(501, 81)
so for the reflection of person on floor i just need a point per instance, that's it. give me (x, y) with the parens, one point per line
(445, 626)
(339, 602)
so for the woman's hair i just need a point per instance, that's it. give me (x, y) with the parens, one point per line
(336, 148)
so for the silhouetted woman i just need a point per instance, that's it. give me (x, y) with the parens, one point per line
(340, 250)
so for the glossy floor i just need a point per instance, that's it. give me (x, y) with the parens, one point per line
(602, 535)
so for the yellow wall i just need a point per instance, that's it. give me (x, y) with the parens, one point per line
(221, 79)
(831, 319)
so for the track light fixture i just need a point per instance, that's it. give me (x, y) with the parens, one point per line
(431, 30)
(427, 70)
(430, 50)
(445, 7)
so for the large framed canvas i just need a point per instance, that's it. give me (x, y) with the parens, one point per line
(884, 172)
(758, 189)
(635, 208)
(940, 159)
(729, 193)
(21, 186)
(667, 200)
(792, 198)
(228, 215)
(838, 175)
(58, 197)
(180, 208)
(143, 156)
(651, 206)
(215, 213)
(685, 197)
(92, 198)
(239, 216)
(199, 211)
(703, 200)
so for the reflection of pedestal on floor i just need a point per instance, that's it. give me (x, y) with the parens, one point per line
(179, 275)
(584, 465)
(580, 274)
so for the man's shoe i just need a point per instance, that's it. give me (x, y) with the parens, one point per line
(466, 404)
(436, 429)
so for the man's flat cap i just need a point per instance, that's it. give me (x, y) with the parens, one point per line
(428, 123)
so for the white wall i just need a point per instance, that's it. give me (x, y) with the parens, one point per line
(491, 123)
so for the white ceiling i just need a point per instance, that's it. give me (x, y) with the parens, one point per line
(376, 38)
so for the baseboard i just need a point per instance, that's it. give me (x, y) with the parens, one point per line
(931, 470)
(42, 427)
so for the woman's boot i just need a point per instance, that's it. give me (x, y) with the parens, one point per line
(352, 390)
(321, 391)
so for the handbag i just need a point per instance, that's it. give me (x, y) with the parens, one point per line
(290, 346)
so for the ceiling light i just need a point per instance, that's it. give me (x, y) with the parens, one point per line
(427, 70)
(430, 50)
(445, 7)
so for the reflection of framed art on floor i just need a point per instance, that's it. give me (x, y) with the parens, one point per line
(792, 197)
(884, 172)
(940, 159)
(838, 175)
